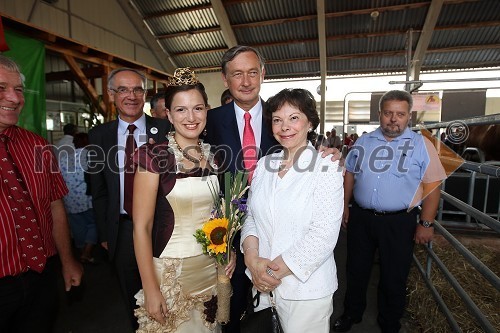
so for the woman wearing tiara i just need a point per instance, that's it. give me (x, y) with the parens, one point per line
(172, 198)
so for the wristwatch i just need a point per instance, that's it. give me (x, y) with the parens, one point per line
(426, 224)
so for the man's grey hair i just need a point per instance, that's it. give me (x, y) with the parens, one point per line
(396, 95)
(113, 73)
(9, 64)
(234, 51)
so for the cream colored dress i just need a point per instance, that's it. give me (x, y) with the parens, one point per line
(186, 276)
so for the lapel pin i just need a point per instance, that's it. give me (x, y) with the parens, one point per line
(153, 130)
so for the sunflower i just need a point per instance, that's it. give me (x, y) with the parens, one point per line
(216, 231)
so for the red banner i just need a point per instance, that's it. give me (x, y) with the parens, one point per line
(3, 42)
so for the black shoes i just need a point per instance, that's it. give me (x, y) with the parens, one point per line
(344, 323)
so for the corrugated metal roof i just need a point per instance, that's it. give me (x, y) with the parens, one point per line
(362, 36)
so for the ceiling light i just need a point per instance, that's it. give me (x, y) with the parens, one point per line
(375, 14)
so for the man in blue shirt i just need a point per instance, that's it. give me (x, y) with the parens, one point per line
(389, 172)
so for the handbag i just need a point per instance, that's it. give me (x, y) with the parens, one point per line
(263, 321)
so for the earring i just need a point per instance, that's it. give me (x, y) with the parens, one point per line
(310, 130)
(205, 131)
(171, 130)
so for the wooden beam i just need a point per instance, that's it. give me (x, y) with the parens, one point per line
(86, 53)
(89, 72)
(365, 11)
(84, 83)
(185, 33)
(348, 36)
(363, 55)
(177, 11)
(151, 74)
(162, 57)
(111, 114)
(225, 25)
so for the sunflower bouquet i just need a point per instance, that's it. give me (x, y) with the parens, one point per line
(217, 234)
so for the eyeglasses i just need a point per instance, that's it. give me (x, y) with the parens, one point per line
(122, 91)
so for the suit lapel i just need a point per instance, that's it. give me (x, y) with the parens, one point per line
(232, 137)
(157, 129)
(111, 146)
(231, 127)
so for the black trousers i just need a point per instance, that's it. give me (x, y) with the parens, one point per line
(126, 268)
(241, 285)
(28, 302)
(393, 236)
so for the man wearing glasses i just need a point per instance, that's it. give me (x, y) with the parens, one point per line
(112, 145)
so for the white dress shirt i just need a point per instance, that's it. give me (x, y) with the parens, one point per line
(140, 138)
(298, 217)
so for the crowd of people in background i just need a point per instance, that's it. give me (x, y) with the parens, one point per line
(331, 140)
(137, 186)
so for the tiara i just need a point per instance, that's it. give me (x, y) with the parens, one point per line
(182, 77)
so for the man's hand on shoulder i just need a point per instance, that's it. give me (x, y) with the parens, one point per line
(334, 152)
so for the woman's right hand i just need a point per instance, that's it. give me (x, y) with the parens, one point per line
(260, 278)
(155, 305)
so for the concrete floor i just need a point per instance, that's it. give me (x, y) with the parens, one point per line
(96, 307)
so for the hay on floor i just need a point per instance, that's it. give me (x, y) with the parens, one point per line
(423, 310)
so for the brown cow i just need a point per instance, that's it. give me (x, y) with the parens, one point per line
(487, 139)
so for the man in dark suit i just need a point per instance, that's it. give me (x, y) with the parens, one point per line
(242, 72)
(107, 162)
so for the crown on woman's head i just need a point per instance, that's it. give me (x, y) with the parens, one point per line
(182, 77)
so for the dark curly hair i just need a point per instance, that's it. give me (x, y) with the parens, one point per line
(302, 99)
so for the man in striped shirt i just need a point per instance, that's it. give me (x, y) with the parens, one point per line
(28, 294)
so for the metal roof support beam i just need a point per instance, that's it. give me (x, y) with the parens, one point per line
(167, 62)
(320, 5)
(225, 25)
(425, 38)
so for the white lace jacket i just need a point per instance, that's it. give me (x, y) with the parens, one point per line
(298, 216)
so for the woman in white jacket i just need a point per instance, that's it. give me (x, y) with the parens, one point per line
(295, 210)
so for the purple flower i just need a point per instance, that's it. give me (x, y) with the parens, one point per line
(240, 204)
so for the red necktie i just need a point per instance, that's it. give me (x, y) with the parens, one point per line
(249, 146)
(128, 188)
(26, 221)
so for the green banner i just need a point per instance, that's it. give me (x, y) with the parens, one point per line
(30, 56)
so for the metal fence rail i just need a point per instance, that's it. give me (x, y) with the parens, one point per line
(432, 257)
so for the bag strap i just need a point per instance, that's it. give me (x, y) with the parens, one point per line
(256, 299)
(271, 298)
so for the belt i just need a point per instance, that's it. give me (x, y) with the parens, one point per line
(125, 217)
(383, 212)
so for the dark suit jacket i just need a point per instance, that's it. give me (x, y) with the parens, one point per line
(105, 177)
(222, 132)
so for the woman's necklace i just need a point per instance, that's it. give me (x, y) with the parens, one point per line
(187, 156)
(283, 166)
